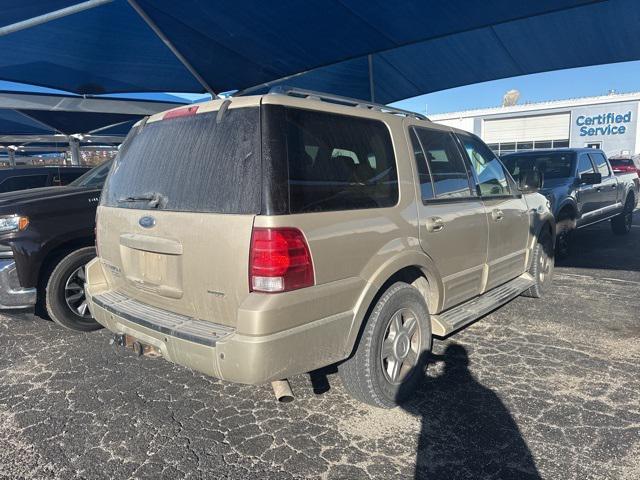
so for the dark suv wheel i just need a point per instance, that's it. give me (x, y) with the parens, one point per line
(391, 355)
(65, 300)
(564, 231)
(621, 224)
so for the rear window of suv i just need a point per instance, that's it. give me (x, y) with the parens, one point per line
(279, 161)
(200, 163)
(338, 162)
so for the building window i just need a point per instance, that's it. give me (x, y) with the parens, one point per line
(524, 146)
(509, 147)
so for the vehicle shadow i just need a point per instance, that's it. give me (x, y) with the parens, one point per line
(467, 431)
(596, 247)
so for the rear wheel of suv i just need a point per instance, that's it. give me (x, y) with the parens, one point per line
(621, 224)
(65, 300)
(392, 352)
(542, 265)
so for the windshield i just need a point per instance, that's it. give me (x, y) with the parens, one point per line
(208, 162)
(552, 165)
(94, 177)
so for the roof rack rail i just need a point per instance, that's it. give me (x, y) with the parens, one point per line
(340, 100)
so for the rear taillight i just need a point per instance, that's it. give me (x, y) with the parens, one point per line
(279, 260)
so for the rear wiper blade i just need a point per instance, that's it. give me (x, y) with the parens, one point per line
(155, 199)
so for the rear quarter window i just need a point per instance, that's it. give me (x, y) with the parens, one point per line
(338, 162)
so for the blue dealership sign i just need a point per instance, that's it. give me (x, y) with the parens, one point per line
(609, 123)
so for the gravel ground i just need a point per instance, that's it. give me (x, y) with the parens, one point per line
(538, 389)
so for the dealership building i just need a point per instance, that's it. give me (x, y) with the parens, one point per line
(608, 122)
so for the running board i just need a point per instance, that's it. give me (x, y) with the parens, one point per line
(457, 317)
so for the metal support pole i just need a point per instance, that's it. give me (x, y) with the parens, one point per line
(152, 25)
(371, 85)
(74, 146)
(12, 157)
(47, 17)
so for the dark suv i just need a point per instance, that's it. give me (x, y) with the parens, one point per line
(46, 238)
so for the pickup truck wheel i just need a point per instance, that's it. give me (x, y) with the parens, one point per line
(542, 265)
(621, 224)
(564, 229)
(65, 300)
(391, 355)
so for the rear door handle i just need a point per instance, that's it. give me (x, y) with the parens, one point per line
(497, 214)
(435, 224)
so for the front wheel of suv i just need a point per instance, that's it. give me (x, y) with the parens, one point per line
(65, 299)
(542, 265)
(392, 352)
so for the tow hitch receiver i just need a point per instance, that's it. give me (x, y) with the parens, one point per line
(127, 341)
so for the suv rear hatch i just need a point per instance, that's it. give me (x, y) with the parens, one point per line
(177, 210)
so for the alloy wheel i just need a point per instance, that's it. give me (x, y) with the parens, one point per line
(74, 293)
(401, 344)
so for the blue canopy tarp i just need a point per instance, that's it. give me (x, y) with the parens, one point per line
(359, 48)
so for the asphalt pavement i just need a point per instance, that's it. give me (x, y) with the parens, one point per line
(543, 388)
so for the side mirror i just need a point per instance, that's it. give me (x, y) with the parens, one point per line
(530, 181)
(591, 178)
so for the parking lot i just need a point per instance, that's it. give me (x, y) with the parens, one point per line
(538, 389)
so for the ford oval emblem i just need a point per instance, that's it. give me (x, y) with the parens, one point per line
(147, 222)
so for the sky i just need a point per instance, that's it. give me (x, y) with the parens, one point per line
(558, 85)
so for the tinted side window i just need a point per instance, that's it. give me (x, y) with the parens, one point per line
(449, 177)
(12, 184)
(584, 164)
(601, 164)
(424, 177)
(338, 162)
(67, 177)
(492, 179)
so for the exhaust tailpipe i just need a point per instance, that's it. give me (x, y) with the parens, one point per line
(282, 390)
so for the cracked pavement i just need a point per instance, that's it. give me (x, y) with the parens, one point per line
(537, 389)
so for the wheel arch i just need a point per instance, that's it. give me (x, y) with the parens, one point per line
(58, 250)
(545, 223)
(415, 268)
(569, 205)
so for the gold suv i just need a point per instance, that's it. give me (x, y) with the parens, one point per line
(260, 237)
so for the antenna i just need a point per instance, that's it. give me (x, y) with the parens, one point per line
(510, 98)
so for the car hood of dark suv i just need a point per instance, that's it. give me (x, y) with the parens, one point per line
(22, 197)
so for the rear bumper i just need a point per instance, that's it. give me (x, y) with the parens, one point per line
(12, 294)
(218, 350)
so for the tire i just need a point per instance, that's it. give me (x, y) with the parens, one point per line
(542, 265)
(65, 290)
(401, 317)
(621, 224)
(564, 234)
